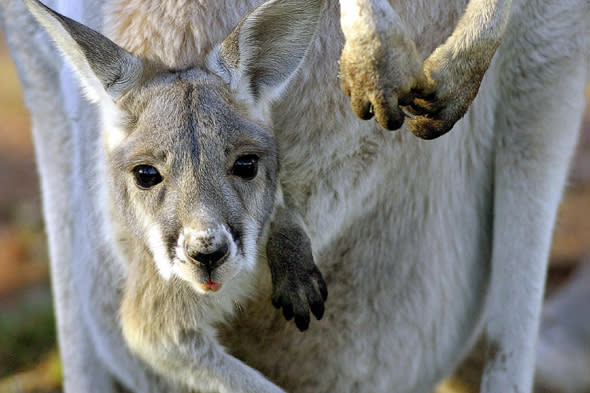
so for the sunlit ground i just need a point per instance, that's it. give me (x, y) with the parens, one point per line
(28, 354)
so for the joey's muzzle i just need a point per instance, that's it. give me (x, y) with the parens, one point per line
(206, 249)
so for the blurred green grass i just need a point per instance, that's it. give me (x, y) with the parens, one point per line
(27, 332)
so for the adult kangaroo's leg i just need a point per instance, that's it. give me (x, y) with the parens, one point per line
(39, 73)
(541, 101)
(56, 107)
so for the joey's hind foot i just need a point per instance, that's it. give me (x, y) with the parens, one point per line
(298, 285)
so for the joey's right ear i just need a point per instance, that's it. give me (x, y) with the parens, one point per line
(105, 69)
(263, 52)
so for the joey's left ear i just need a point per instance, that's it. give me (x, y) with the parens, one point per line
(104, 69)
(264, 51)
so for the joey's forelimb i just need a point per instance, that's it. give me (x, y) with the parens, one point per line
(298, 285)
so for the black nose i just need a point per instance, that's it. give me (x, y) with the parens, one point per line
(209, 260)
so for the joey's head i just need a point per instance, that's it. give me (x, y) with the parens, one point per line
(191, 166)
(194, 179)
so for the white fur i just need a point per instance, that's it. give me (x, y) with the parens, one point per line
(214, 235)
(113, 131)
(158, 250)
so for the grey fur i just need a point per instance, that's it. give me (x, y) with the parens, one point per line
(188, 127)
(425, 246)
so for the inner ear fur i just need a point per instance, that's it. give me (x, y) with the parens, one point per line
(264, 51)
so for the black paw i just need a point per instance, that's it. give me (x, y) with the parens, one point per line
(300, 291)
(298, 285)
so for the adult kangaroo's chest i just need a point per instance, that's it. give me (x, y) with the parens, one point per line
(181, 32)
(178, 33)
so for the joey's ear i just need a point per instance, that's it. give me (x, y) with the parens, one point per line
(265, 49)
(105, 69)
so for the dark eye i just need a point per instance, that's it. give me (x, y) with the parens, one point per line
(146, 176)
(246, 167)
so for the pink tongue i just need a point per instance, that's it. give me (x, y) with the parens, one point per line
(212, 286)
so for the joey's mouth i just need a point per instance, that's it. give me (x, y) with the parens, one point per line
(211, 286)
(202, 280)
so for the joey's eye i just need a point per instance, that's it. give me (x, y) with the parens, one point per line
(146, 176)
(246, 167)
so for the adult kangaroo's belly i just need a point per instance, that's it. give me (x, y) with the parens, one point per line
(407, 280)
(396, 319)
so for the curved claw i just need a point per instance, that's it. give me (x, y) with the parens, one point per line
(431, 115)
(288, 311)
(302, 322)
(428, 129)
(317, 309)
(302, 318)
(387, 112)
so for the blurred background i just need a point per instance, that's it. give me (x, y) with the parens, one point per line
(28, 352)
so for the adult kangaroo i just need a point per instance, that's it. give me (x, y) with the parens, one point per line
(425, 245)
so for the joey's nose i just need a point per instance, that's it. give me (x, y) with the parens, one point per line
(209, 260)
